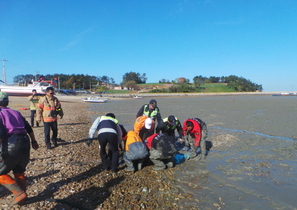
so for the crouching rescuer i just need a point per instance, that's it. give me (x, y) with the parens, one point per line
(194, 137)
(135, 151)
(162, 149)
(14, 149)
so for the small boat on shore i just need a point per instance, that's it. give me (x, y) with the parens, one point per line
(285, 94)
(137, 97)
(95, 100)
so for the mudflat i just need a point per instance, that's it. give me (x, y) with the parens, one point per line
(252, 164)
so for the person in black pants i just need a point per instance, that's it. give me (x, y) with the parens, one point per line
(109, 132)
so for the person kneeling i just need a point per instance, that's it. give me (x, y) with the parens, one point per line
(135, 151)
(162, 150)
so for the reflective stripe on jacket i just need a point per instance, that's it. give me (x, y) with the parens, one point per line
(34, 101)
(45, 106)
(150, 112)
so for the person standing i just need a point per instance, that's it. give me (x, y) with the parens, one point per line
(34, 98)
(48, 109)
(194, 137)
(14, 149)
(109, 132)
(169, 125)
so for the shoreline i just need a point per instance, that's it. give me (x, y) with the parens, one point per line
(167, 95)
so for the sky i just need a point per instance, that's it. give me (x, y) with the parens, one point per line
(165, 39)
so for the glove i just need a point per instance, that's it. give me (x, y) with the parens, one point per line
(89, 142)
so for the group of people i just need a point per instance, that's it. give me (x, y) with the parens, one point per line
(152, 138)
(15, 136)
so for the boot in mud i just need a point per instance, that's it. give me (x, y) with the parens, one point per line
(12, 186)
(159, 165)
(129, 163)
(169, 165)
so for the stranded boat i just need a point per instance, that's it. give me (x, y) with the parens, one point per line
(95, 100)
(285, 94)
(26, 90)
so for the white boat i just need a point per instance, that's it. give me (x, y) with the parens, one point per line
(95, 100)
(25, 90)
(137, 97)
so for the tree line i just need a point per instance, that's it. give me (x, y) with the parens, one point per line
(132, 79)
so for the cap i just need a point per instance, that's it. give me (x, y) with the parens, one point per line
(171, 120)
(3, 96)
(153, 102)
(148, 123)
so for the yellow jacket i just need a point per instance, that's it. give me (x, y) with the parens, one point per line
(131, 138)
(34, 101)
(45, 107)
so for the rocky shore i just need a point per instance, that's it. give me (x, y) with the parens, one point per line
(70, 176)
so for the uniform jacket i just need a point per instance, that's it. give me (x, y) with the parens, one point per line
(139, 124)
(45, 106)
(196, 132)
(152, 113)
(34, 101)
(131, 138)
(161, 146)
(168, 129)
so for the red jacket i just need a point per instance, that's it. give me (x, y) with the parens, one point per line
(195, 133)
(150, 139)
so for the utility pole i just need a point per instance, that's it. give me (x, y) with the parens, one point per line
(3, 71)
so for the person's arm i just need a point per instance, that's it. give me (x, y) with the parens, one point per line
(31, 134)
(59, 106)
(140, 112)
(179, 130)
(94, 127)
(33, 141)
(39, 109)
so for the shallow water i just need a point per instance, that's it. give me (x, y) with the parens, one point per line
(252, 164)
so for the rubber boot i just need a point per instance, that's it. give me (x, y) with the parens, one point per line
(21, 180)
(12, 186)
(159, 165)
(129, 163)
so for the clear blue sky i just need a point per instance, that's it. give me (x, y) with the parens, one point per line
(166, 39)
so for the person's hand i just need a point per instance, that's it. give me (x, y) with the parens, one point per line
(35, 145)
(61, 117)
(89, 142)
(180, 140)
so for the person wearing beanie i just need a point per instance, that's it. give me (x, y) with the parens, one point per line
(109, 132)
(150, 110)
(162, 149)
(14, 149)
(169, 125)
